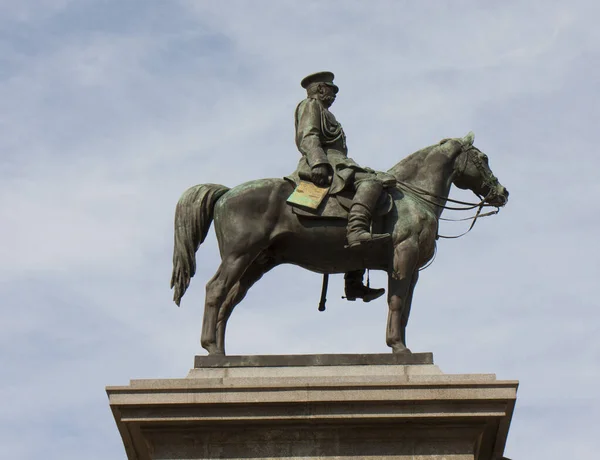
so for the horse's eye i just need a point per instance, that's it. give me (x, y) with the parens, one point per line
(484, 157)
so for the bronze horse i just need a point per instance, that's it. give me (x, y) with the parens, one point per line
(256, 231)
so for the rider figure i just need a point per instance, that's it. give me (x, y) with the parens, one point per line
(322, 143)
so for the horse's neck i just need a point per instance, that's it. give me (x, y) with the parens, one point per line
(430, 169)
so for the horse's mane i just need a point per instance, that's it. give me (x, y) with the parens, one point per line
(409, 166)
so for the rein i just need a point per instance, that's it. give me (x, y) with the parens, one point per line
(475, 217)
(420, 192)
(423, 194)
(488, 178)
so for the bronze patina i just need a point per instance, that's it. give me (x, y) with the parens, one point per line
(257, 229)
(321, 140)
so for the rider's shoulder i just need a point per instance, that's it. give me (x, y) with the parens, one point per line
(310, 101)
(309, 105)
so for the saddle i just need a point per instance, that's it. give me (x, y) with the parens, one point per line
(337, 206)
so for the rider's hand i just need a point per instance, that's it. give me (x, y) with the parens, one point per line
(320, 175)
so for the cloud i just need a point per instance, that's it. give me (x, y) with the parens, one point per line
(111, 110)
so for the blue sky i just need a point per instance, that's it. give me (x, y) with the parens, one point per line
(110, 109)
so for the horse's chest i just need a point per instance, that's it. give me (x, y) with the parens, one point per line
(415, 221)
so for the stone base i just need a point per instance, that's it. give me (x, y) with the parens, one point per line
(315, 406)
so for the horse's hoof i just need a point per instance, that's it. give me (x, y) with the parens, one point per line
(213, 350)
(399, 351)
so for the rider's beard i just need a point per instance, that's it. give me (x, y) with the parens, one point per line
(328, 100)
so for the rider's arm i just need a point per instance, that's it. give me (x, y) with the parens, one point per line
(308, 133)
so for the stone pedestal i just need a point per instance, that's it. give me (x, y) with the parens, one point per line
(375, 407)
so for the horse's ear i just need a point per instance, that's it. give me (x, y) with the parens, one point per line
(468, 139)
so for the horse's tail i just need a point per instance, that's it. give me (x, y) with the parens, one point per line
(193, 216)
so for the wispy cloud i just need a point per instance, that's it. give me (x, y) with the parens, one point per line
(111, 109)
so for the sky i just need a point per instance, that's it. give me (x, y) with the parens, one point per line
(111, 109)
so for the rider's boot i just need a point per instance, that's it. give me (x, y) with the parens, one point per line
(356, 289)
(361, 212)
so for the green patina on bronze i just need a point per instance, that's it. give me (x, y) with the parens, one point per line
(257, 230)
(324, 161)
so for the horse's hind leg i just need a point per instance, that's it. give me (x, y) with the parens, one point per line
(228, 274)
(237, 294)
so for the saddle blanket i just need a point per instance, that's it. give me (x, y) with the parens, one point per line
(335, 206)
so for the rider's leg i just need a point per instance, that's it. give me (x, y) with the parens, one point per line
(356, 289)
(361, 212)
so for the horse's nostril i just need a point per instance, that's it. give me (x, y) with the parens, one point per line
(502, 192)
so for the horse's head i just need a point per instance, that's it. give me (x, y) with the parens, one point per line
(472, 172)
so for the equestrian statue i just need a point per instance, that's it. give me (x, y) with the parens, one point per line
(329, 216)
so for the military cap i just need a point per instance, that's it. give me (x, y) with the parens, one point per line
(319, 77)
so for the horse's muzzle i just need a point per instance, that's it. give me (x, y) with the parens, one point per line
(500, 198)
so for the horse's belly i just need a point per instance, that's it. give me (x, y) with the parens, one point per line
(320, 246)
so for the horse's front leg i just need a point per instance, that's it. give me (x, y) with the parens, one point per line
(399, 294)
(407, 305)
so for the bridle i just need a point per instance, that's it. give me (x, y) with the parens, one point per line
(488, 179)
